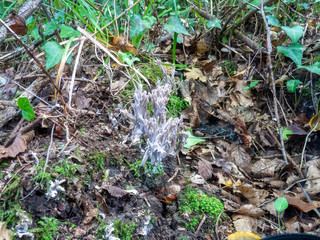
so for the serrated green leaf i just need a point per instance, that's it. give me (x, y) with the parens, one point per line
(315, 68)
(137, 26)
(68, 32)
(214, 23)
(27, 109)
(292, 85)
(273, 21)
(294, 33)
(293, 51)
(192, 140)
(281, 204)
(173, 25)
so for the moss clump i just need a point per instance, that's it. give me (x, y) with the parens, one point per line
(197, 204)
(123, 230)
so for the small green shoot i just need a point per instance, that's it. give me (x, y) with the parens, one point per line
(49, 228)
(292, 85)
(27, 108)
(123, 230)
(128, 59)
(252, 84)
(192, 140)
(285, 133)
(280, 205)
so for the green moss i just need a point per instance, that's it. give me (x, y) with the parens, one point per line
(176, 105)
(197, 205)
(123, 230)
(229, 68)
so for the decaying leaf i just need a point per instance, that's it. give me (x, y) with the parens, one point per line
(19, 145)
(314, 123)
(254, 195)
(243, 236)
(115, 191)
(298, 203)
(240, 157)
(250, 210)
(5, 233)
(266, 167)
(195, 73)
(245, 223)
(242, 132)
(313, 186)
(205, 169)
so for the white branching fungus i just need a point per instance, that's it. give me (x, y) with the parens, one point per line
(55, 188)
(163, 136)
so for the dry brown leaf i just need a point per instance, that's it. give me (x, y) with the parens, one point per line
(120, 43)
(313, 186)
(266, 167)
(302, 119)
(241, 131)
(91, 214)
(243, 236)
(240, 157)
(205, 169)
(19, 145)
(250, 210)
(298, 203)
(195, 73)
(5, 233)
(314, 123)
(115, 191)
(245, 223)
(240, 74)
(255, 196)
(202, 47)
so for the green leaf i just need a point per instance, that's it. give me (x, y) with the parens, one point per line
(214, 23)
(35, 34)
(273, 21)
(292, 85)
(192, 140)
(173, 25)
(294, 33)
(54, 54)
(68, 32)
(26, 107)
(50, 27)
(293, 51)
(315, 68)
(137, 25)
(127, 58)
(286, 133)
(252, 84)
(281, 204)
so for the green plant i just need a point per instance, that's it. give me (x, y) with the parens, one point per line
(141, 172)
(197, 204)
(48, 229)
(67, 170)
(176, 105)
(123, 230)
(98, 158)
(26, 107)
(280, 205)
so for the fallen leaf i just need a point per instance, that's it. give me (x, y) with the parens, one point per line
(243, 236)
(298, 203)
(241, 131)
(205, 169)
(115, 191)
(313, 186)
(19, 145)
(255, 196)
(195, 73)
(250, 210)
(19, 24)
(245, 223)
(5, 233)
(314, 123)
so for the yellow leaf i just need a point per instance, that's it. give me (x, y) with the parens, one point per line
(243, 236)
(314, 123)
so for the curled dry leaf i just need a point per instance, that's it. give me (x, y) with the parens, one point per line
(5, 233)
(250, 210)
(241, 131)
(205, 169)
(18, 24)
(115, 191)
(255, 196)
(195, 73)
(298, 203)
(19, 145)
(240, 157)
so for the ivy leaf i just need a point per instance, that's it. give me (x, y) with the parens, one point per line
(294, 33)
(292, 85)
(50, 27)
(315, 68)
(26, 107)
(273, 21)
(214, 23)
(293, 51)
(281, 204)
(137, 26)
(192, 140)
(54, 53)
(173, 25)
(68, 32)
(127, 58)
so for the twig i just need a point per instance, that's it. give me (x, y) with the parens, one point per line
(201, 223)
(305, 142)
(269, 50)
(35, 59)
